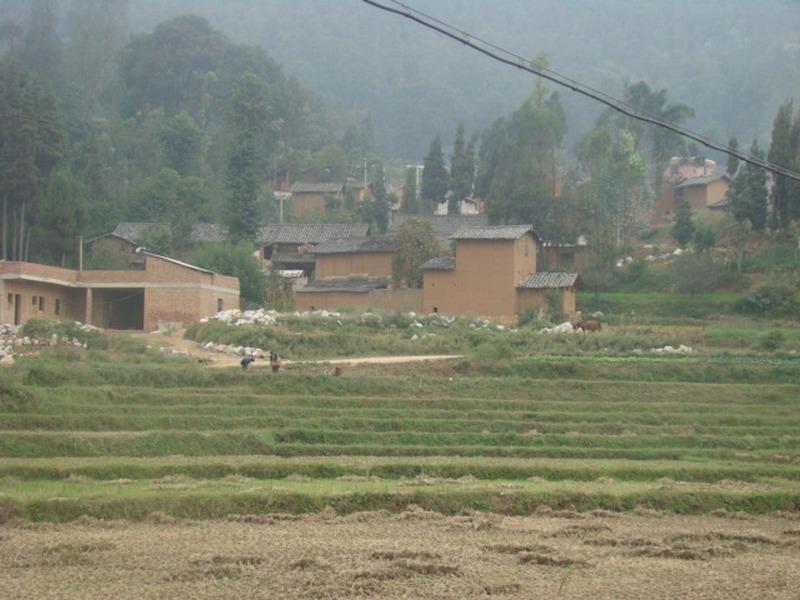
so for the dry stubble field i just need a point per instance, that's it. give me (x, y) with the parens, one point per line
(411, 554)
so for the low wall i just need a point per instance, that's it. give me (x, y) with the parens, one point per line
(404, 300)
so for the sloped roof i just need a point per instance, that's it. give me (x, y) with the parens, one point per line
(493, 232)
(440, 263)
(539, 281)
(443, 225)
(313, 187)
(358, 245)
(359, 285)
(291, 258)
(180, 263)
(208, 232)
(135, 232)
(705, 180)
(309, 233)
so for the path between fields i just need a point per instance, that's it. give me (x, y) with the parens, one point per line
(176, 341)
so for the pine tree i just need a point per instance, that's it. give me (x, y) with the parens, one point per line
(781, 153)
(733, 162)
(248, 120)
(683, 228)
(756, 191)
(461, 172)
(434, 177)
(409, 205)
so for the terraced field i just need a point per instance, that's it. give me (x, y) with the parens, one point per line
(255, 443)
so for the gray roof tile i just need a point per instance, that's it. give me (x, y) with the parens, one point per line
(360, 285)
(209, 232)
(309, 233)
(493, 232)
(440, 263)
(358, 245)
(539, 281)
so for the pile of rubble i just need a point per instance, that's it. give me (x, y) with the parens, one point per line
(671, 350)
(13, 342)
(235, 350)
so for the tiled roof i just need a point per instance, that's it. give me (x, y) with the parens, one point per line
(209, 232)
(692, 181)
(309, 234)
(539, 281)
(493, 232)
(135, 232)
(180, 263)
(440, 263)
(360, 245)
(443, 225)
(291, 258)
(360, 285)
(324, 187)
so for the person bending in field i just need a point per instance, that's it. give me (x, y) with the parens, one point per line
(274, 361)
(246, 361)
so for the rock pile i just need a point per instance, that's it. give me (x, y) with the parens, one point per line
(12, 340)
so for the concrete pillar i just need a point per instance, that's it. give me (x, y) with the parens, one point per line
(87, 307)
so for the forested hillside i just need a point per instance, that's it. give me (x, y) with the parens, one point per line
(733, 61)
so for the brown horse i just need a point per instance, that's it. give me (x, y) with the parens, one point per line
(588, 325)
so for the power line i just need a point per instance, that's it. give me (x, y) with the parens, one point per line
(494, 52)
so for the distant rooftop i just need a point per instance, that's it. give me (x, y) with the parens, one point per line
(286, 233)
(443, 225)
(494, 232)
(440, 263)
(360, 245)
(705, 180)
(360, 285)
(314, 187)
(539, 281)
(209, 232)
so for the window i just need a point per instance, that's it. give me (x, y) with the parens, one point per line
(11, 298)
(35, 301)
(526, 249)
(58, 307)
(220, 304)
(41, 303)
(436, 309)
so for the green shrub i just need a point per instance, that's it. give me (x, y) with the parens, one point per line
(695, 273)
(13, 397)
(777, 297)
(38, 329)
(773, 340)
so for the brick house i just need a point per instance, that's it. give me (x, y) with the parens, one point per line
(287, 246)
(162, 289)
(308, 197)
(494, 275)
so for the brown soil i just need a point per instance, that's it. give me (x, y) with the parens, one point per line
(416, 554)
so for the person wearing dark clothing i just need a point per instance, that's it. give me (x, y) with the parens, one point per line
(274, 361)
(246, 362)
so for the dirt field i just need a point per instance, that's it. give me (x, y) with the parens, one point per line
(414, 554)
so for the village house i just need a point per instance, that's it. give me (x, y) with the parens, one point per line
(701, 182)
(493, 275)
(356, 273)
(564, 256)
(443, 226)
(706, 192)
(290, 247)
(309, 197)
(160, 290)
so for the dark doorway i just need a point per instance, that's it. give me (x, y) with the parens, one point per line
(17, 309)
(118, 309)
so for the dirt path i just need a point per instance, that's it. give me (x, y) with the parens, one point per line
(176, 341)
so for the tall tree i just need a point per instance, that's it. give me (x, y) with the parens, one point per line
(184, 143)
(683, 228)
(249, 122)
(782, 153)
(461, 171)
(417, 245)
(661, 143)
(435, 180)
(733, 162)
(748, 193)
(409, 204)
(43, 51)
(525, 178)
(63, 218)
